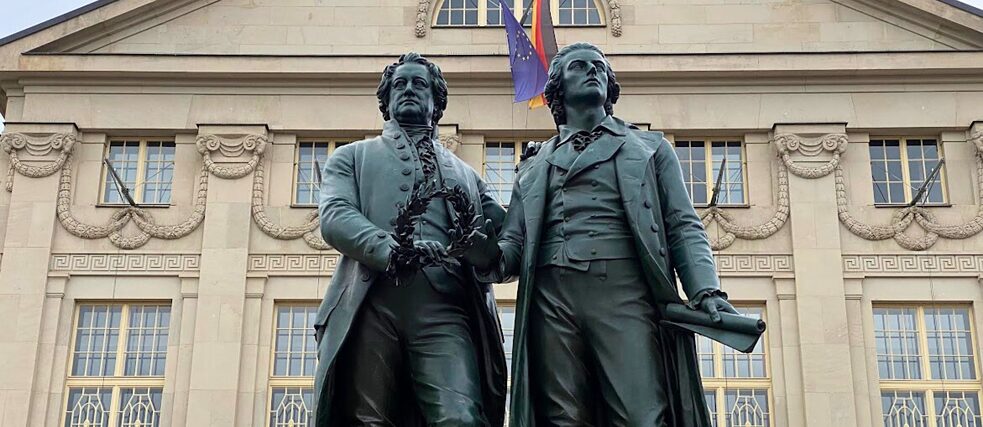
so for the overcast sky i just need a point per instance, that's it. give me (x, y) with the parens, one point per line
(16, 15)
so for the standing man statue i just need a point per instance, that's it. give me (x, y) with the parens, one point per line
(428, 351)
(599, 228)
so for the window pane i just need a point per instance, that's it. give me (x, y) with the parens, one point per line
(139, 407)
(711, 397)
(747, 408)
(750, 365)
(957, 409)
(88, 407)
(896, 339)
(500, 169)
(158, 172)
(732, 181)
(97, 340)
(295, 353)
(124, 157)
(903, 409)
(578, 12)
(704, 350)
(506, 315)
(692, 160)
(291, 406)
(950, 349)
(146, 346)
(458, 12)
(923, 156)
(310, 156)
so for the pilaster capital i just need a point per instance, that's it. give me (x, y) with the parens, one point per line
(231, 151)
(801, 146)
(37, 150)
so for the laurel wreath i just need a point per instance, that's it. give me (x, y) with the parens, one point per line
(406, 259)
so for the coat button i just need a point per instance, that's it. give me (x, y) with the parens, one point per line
(662, 251)
(643, 184)
(567, 219)
(593, 197)
(597, 166)
(655, 228)
(648, 204)
(407, 171)
(370, 250)
(593, 251)
(593, 183)
(404, 156)
(381, 234)
(398, 136)
(404, 187)
(400, 146)
(591, 233)
(562, 172)
(366, 277)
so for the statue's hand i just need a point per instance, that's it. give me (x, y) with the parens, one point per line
(714, 304)
(432, 251)
(483, 249)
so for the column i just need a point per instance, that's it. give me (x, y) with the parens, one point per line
(811, 152)
(37, 152)
(231, 154)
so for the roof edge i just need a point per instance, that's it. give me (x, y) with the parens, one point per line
(965, 7)
(55, 21)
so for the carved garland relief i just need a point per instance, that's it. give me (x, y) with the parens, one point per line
(424, 11)
(234, 147)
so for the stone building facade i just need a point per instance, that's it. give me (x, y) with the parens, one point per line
(193, 307)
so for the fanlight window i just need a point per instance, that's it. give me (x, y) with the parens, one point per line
(483, 13)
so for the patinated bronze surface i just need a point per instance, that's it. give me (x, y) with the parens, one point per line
(599, 229)
(406, 335)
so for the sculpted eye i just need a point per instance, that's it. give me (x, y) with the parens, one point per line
(399, 84)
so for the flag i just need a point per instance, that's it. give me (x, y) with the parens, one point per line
(528, 72)
(544, 40)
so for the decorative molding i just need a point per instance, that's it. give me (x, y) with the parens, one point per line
(424, 17)
(733, 230)
(968, 265)
(142, 218)
(36, 145)
(903, 218)
(309, 231)
(294, 263)
(231, 146)
(754, 264)
(788, 143)
(451, 142)
(136, 264)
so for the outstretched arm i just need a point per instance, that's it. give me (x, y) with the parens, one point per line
(342, 224)
(505, 264)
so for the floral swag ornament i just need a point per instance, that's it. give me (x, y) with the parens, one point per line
(13, 143)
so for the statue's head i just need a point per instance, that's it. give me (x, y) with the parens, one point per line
(412, 91)
(580, 77)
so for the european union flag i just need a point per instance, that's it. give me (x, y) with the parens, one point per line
(528, 73)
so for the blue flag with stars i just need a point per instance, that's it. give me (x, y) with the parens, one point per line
(528, 73)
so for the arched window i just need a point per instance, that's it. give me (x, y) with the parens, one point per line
(488, 13)
(578, 12)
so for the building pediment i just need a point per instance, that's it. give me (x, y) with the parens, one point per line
(237, 27)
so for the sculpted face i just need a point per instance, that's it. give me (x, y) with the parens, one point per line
(411, 97)
(585, 81)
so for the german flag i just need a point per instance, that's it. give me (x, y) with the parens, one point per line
(543, 39)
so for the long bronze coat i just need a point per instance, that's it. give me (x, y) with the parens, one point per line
(362, 182)
(670, 240)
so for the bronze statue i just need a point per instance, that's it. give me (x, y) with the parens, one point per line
(599, 228)
(406, 335)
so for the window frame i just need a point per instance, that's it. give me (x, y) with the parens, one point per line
(295, 186)
(518, 147)
(708, 167)
(517, 12)
(118, 381)
(906, 173)
(719, 385)
(927, 386)
(284, 381)
(137, 192)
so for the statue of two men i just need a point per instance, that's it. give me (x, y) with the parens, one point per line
(599, 227)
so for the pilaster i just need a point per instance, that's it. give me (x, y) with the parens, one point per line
(230, 153)
(38, 151)
(811, 152)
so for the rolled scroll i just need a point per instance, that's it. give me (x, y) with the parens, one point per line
(738, 332)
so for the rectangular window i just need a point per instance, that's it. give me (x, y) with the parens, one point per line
(899, 167)
(927, 366)
(294, 362)
(117, 372)
(146, 169)
(310, 156)
(499, 168)
(506, 315)
(578, 12)
(462, 13)
(700, 175)
(737, 386)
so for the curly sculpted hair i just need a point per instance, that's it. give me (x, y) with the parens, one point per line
(554, 86)
(438, 85)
